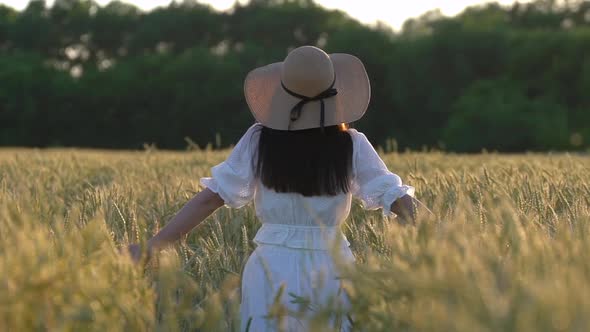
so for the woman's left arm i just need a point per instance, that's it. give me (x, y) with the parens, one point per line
(191, 215)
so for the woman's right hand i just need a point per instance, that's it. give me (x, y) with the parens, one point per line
(405, 208)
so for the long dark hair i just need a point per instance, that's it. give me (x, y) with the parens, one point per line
(310, 162)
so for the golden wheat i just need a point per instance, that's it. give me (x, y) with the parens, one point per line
(508, 250)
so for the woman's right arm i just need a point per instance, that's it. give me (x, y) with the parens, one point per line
(376, 186)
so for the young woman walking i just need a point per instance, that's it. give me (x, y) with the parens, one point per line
(301, 165)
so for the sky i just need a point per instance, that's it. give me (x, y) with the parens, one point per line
(391, 12)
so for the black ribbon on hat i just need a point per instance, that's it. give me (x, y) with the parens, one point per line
(298, 108)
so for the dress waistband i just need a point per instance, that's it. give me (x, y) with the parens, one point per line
(301, 237)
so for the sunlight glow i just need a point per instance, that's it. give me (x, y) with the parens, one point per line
(393, 13)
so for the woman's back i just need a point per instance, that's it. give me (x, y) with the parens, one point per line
(292, 219)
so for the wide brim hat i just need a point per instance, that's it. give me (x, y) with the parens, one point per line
(289, 95)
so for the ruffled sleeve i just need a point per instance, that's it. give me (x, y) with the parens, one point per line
(233, 179)
(373, 184)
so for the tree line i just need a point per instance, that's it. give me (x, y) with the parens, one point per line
(512, 78)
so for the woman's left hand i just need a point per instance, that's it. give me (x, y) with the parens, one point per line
(135, 252)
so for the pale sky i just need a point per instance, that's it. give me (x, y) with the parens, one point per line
(392, 12)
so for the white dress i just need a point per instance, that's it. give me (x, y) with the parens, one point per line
(298, 234)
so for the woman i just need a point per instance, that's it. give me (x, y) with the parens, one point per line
(301, 165)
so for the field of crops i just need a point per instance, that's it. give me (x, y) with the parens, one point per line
(508, 250)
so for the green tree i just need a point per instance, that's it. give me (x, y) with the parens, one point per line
(497, 115)
(78, 73)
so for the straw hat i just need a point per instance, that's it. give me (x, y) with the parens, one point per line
(310, 89)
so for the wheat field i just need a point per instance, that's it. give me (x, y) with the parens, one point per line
(508, 249)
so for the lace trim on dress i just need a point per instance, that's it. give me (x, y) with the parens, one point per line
(301, 237)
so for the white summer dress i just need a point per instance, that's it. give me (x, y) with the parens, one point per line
(294, 243)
